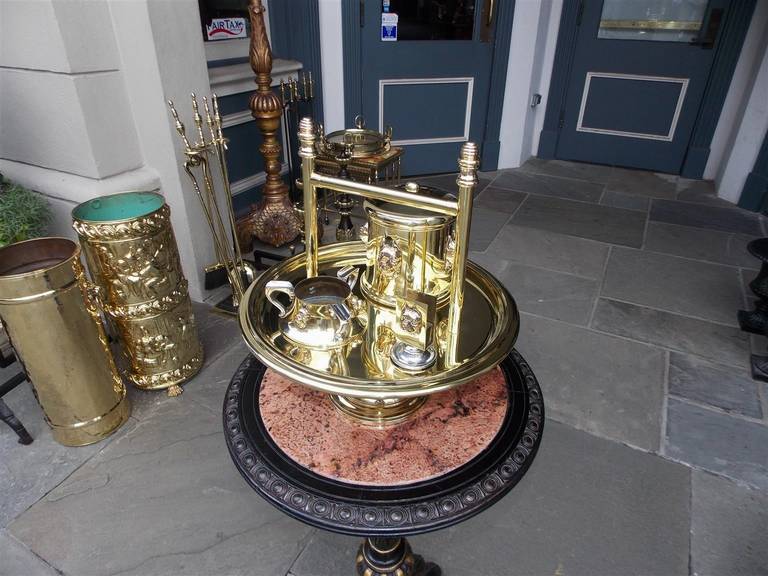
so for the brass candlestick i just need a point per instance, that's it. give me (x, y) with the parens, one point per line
(274, 220)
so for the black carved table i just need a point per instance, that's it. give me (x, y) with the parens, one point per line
(385, 514)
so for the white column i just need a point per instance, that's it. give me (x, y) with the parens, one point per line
(162, 57)
(749, 137)
(529, 70)
(84, 114)
(332, 62)
(752, 52)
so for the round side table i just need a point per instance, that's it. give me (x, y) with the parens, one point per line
(384, 514)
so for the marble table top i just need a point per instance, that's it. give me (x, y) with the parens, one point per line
(449, 430)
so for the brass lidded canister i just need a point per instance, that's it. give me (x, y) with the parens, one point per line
(52, 318)
(132, 255)
(409, 249)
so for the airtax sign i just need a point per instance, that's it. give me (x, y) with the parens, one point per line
(226, 28)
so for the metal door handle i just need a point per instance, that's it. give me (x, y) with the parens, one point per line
(708, 33)
(490, 13)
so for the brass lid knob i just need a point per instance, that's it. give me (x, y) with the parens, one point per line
(412, 187)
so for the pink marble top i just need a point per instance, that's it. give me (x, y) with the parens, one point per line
(449, 430)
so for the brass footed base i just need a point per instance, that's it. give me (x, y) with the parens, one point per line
(391, 556)
(274, 221)
(377, 412)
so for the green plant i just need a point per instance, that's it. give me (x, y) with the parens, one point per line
(23, 214)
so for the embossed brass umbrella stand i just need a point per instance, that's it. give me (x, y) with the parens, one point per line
(425, 319)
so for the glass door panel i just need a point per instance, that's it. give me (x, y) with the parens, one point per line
(655, 20)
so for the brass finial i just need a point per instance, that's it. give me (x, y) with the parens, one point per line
(307, 137)
(198, 121)
(468, 163)
(180, 127)
(217, 119)
(210, 120)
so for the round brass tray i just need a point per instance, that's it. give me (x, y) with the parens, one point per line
(489, 327)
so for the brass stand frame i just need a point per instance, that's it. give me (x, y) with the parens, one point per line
(274, 220)
(461, 208)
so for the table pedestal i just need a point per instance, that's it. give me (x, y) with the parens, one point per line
(383, 556)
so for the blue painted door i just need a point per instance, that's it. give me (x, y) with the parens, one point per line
(640, 68)
(431, 82)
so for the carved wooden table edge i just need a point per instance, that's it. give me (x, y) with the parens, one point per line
(384, 515)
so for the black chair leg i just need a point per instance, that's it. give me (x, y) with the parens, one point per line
(7, 416)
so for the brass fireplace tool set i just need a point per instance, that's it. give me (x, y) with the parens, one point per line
(294, 93)
(381, 322)
(201, 153)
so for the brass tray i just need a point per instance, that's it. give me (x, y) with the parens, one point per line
(489, 327)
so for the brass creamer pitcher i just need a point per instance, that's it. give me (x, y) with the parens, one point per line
(321, 312)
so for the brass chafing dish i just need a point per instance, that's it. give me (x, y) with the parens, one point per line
(364, 142)
(460, 315)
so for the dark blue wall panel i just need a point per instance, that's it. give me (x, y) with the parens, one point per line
(625, 105)
(425, 110)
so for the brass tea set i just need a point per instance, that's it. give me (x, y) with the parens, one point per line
(381, 322)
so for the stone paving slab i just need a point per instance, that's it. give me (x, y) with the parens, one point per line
(622, 200)
(566, 169)
(642, 183)
(485, 226)
(699, 289)
(586, 507)
(209, 387)
(605, 385)
(593, 221)
(544, 185)
(550, 250)
(706, 216)
(552, 294)
(720, 343)
(500, 199)
(700, 244)
(700, 191)
(217, 330)
(164, 498)
(721, 386)
(28, 472)
(729, 525)
(717, 442)
(17, 560)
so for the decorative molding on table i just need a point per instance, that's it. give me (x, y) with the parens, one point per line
(353, 514)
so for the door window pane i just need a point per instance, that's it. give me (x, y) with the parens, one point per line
(659, 20)
(433, 19)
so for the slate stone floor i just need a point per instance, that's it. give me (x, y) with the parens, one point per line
(654, 459)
